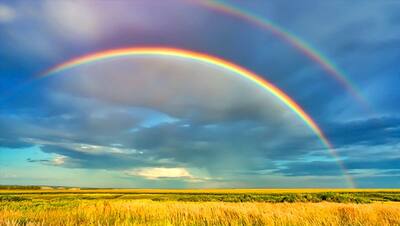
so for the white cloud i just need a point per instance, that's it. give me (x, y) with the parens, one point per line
(74, 19)
(159, 173)
(59, 160)
(7, 14)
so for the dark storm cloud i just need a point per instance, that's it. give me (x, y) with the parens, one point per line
(368, 174)
(13, 143)
(368, 132)
(387, 166)
(11, 132)
(67, 118)
(238, 132)
(90, 160)
(204, 142)
(181, 88)
(317, 168)
(370, 144)
(390, 162)
(224, 148)
(217, 147)
(94, 133)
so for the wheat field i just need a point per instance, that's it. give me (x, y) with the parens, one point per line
(199, 207)
(147, 212)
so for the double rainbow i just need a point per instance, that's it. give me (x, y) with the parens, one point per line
(292, 40)
(212, 60)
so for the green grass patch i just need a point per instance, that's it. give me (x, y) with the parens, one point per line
(338, 197)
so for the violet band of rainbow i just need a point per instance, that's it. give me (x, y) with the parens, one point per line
(293, 40)
(212, 60)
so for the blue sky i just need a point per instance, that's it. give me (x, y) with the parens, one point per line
(167, 122)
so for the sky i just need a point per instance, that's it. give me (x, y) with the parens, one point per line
(164, 121)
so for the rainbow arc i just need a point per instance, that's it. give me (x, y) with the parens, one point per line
(212, 60)
(291, 39)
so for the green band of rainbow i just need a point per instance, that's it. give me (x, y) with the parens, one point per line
(293, 40)
(200, 57)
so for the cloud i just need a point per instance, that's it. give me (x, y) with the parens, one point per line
(38, 160)
(365, 163)
(180, 88)
(161, 173)
(158, 116)
(74, 19)
(158, 112)
(76, 158)
(370, 131)
(59, 160)
(7, 14)
(311, 168)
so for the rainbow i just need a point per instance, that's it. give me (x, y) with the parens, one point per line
(204, 58)
(293, 40)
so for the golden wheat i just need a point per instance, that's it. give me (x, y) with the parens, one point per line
(146, 212)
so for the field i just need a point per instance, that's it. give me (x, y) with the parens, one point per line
(65, 206)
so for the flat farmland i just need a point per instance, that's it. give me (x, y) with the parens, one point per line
(73, 206)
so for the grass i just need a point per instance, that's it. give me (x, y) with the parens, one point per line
(199, 207)
(147, 212)
(210, 195)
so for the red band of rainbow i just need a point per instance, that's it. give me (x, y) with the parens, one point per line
(212, 60)
(292, 40)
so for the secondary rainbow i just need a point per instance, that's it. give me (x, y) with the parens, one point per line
(293, 40)
(212, 60)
